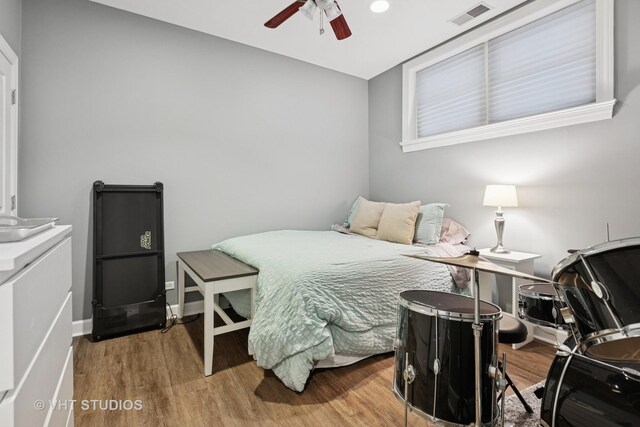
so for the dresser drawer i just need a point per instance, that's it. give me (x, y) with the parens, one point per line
(29, 303)
(42, 377)
(59, 415)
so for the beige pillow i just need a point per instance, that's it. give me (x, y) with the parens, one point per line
(367, 218)
(398, 222)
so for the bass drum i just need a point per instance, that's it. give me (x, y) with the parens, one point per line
(600, 287)
(581, 391)
(434, 329)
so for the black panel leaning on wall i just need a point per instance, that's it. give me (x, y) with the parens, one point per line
(128, 262)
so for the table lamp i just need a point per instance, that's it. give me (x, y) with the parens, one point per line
(501, 196)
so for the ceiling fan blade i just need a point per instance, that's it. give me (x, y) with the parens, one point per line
(284, 15)
(341, 28)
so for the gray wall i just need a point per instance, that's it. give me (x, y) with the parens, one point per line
(234, 133)
(10, 22)
(570, 180)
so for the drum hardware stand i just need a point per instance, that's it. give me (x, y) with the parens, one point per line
(509, 383)
(493, 374)
(500, 379)
(502, 386)
(567, 315)
(477, 333)
(409, 375)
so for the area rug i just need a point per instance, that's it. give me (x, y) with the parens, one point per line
(515, 413)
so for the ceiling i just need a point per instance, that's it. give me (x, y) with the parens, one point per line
(379, 41)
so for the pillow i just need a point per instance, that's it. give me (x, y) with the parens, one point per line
(453, 233)
(352, 212)
(367, 218)
(398, 222)
(429, 223)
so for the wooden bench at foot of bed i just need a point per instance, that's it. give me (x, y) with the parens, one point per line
(214, 272)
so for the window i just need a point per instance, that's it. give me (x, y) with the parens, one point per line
(545, 65)
(451, 95)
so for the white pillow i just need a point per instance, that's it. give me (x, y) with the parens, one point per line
(453, 233)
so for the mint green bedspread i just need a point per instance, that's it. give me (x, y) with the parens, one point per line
(322, 292)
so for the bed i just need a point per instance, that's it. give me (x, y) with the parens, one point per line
(325, 295)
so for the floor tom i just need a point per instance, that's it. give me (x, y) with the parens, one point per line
(435, 331)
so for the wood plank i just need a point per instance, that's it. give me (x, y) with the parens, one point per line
(165, 372)
(213, 265)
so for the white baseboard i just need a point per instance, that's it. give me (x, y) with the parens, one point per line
(550, 335)
(190, 308)
(84, 327)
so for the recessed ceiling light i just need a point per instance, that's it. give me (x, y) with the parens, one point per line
(379, 6)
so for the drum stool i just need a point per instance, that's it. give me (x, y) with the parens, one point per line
(513, 331)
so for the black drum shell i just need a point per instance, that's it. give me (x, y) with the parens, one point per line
(592, 393)
(456, 380)
(616, 268)
(543, 309)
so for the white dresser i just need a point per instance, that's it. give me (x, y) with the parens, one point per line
(36, 357)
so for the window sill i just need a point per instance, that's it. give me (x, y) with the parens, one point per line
(572, 116)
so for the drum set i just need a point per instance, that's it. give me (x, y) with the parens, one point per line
(447, 367)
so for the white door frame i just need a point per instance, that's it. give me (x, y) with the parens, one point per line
(11, 56)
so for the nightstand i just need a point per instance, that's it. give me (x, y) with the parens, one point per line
(489, 286)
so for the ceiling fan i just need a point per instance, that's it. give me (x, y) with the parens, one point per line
(308, 9)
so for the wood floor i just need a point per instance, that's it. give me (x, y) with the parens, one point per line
(165, 372)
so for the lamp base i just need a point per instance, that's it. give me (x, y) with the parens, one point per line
(499, 223)
(499, 249)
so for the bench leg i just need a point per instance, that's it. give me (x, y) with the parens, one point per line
(208, 329)
(180, 290)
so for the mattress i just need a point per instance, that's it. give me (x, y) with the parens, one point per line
(322, 293)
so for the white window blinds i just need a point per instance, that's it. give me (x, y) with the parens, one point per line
(545, 66)
(451, 95)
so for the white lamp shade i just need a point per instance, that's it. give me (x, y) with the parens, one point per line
(332, 12)
(309, 9)
(501, 195)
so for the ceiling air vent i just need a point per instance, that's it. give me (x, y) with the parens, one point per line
(474, 12)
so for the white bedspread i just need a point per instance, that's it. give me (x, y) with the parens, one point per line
(321, 292)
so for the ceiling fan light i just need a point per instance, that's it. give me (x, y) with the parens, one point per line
(379, 6)
(333, 12)
(309, 9)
